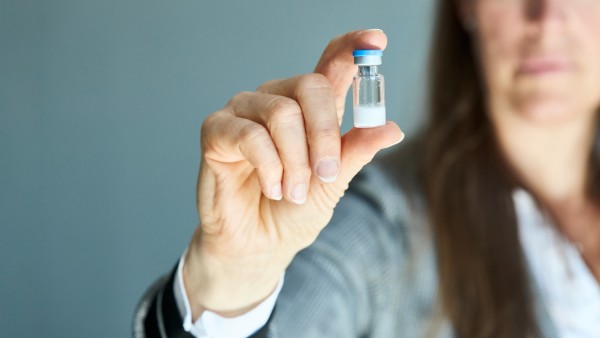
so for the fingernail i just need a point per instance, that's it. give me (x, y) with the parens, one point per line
(374, 29)
(298, 194)
(327, 170)
(276, 192)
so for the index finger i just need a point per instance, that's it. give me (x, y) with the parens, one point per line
(337, 62)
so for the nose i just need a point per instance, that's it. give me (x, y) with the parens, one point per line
(546, 11)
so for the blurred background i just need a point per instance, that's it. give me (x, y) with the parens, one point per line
(101, 104)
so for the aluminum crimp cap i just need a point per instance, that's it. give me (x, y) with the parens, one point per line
(367, 57)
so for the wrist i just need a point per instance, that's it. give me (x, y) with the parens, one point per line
(229, 290)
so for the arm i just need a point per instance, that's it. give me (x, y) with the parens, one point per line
(332, 288)
(254, 147)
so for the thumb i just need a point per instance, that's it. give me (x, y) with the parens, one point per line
(359, 146)
(337, 62)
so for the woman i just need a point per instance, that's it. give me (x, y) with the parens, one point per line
(487, 225)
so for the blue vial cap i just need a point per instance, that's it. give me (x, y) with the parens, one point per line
(367, 52)
(367, 57)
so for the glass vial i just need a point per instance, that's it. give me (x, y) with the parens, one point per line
(368, 90)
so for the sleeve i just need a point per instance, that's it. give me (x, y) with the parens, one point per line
(211, 325)
(157, 314)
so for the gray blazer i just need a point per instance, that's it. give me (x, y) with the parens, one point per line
(372, 270)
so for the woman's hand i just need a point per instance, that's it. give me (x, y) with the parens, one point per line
(274, 166)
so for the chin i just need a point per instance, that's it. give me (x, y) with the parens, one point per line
(547, 111)
(550, 108)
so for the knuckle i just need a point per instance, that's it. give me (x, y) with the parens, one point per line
(334, 41)
(264, 87)
(208, 125)
(313, 81)
(211, 120)
(337, 38)
(329, 133)
(252, 133)
(237, 98)
(283, 108)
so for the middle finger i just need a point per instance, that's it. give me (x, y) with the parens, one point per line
(283, 119)
(316, 97)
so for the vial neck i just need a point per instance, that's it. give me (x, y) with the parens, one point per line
(367, 70)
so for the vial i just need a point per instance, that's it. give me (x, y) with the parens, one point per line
(368, 100)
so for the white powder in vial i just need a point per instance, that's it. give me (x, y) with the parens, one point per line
(369, 116)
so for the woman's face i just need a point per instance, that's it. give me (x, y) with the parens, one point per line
(540, 58)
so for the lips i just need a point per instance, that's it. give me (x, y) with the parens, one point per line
(541, 65)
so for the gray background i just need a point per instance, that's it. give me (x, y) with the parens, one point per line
(100, 109)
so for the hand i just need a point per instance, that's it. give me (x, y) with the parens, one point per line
(274, 166)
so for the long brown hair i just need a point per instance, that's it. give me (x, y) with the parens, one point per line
(484, 284)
